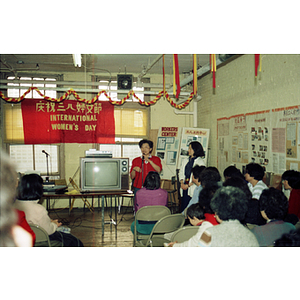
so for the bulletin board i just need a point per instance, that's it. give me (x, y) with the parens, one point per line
(172, 145)
(270, 138)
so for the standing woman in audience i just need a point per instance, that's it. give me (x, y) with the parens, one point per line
(196, 157)
(291, 181)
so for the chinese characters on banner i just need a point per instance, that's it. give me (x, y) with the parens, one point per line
(70, 121)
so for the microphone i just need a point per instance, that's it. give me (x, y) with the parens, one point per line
(143, 157)
(45, 153)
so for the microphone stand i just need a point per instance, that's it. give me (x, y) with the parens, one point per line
(143, 160)
(47, 162)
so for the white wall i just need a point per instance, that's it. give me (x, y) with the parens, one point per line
(237, 91)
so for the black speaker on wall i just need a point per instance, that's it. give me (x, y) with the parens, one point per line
(124, 81)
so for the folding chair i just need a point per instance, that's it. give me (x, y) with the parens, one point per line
(166, 224)
(184, 234)
(42, 237)
(147, 213)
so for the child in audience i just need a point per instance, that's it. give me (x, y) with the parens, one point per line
(273, 206)
(209, 217)
(254, 175)
(195, 214)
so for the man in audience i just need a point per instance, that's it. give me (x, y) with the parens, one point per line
(273, 205)
(254, 175)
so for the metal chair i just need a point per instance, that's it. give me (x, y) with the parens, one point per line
(184, 234)
(147, 213)
(41, 236)
(166, 224)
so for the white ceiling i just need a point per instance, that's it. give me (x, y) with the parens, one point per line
(98, 63)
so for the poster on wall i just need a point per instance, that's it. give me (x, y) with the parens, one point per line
(269, 138)
(167, 149)
(193, 134)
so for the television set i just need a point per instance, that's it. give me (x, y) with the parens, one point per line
(104, 174)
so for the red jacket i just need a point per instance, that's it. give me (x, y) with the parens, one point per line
(23, 223)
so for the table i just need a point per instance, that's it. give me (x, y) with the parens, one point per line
(98, 195)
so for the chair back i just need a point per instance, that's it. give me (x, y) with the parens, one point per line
(184, 234)
(41, 236)
(148, 213)
(166, 224)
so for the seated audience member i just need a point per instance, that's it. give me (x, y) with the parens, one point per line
(232, 171)
(253, 215)
(150, 194)
(291, 239)
(30, 191)
(273, 205)
(11, 234)
(254, 175)
(291, 181)
(230, 206)
(196, 171)
(209, 217)
(195, 214)
(210, 175)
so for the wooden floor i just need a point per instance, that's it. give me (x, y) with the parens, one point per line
(87, 226)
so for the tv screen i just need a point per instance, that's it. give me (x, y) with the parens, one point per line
(103, 174)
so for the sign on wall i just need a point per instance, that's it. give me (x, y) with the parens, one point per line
(173, 143)
(69, 121)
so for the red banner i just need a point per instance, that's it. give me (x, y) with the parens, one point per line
(70, 121)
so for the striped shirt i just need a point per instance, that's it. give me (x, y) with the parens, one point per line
(257, 189)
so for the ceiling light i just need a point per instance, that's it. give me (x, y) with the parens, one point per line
(20, 62)
(77, 60)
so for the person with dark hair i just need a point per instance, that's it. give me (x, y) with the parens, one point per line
(195, 214)
(12, 233)
(142, 165)
(195, 157)
(273, 206)
(232, 171)
(291, 181)
(209, 217)
(254, 175)
(210, 176)
(29, 192)
(150, 194)
(291, 239)
(196, 171)
(230, 206)
(253, 215)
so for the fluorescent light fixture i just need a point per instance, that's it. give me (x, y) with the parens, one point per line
(77, 60)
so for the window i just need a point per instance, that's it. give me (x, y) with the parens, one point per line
(45, 82)
(124, 147)
(29, 157)
(105, 85)
(33, 157)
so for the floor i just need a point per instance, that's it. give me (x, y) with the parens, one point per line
(87, 226)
